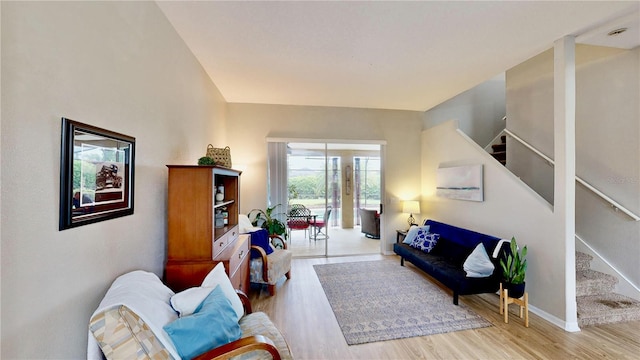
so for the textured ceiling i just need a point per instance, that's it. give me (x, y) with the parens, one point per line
(385, 55)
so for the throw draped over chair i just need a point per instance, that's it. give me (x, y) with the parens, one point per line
(298, 218)
(320, 224)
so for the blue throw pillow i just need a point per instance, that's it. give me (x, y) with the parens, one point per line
(214, 323)
(260, 238)
(411, 234)
(425, 241)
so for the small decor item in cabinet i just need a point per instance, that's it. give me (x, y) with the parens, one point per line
(219, 196)
(219, 219)
(221, 156)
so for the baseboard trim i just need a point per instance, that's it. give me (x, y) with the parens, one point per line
(567, 326)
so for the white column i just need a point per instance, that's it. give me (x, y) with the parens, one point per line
(564, 114)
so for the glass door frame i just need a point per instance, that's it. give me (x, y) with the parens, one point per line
(326, 142)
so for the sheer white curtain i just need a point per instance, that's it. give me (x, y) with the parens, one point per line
(278, 192)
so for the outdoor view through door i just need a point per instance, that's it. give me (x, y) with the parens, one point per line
(326, 185)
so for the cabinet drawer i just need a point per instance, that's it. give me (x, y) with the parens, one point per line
(241, 250)
(240, 279)
(239, 263)
(221, 243)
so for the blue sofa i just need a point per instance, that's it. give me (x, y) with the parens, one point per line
(445, 262)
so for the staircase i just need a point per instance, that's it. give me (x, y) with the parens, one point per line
(597, 303)
(499, 151)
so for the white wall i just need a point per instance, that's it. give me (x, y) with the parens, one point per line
(607, 143)
(530, 116)
(608, 148)
(509, 209)
(249, 125)
(116, 65)
(479, 111)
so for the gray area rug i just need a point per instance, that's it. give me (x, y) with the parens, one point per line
(381, 300)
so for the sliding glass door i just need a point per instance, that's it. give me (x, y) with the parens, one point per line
(324, 186)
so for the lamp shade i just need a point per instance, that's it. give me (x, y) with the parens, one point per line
(411, 207)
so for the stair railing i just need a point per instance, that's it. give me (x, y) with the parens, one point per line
(616, 206)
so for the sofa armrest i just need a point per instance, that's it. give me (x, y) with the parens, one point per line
(241, 346)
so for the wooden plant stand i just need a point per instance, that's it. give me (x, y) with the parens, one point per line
(523, 302)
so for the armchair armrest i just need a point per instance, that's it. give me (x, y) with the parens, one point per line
(241, 346)
(246, 303)
(279, 240)
(265, 263)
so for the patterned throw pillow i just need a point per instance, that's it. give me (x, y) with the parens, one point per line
(425, 241)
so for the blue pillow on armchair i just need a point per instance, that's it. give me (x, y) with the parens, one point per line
(260, 238)
(214, 323)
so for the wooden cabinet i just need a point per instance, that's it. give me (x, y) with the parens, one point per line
(195, 245)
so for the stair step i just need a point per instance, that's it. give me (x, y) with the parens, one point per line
(583, 261)
(499, 155)
(503, 139)
(499, 147)
(590, 282)
(606, 309)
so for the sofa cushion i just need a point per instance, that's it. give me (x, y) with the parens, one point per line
(478, 263)
(451, 251)
(411, 234)
(461, 236)
(425, 241)
(213, 324)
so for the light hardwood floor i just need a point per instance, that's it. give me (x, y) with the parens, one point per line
(341, 242)
(301, 311)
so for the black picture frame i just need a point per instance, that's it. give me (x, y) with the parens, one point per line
(97, 168)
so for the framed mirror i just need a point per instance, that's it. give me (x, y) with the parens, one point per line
(96, 174)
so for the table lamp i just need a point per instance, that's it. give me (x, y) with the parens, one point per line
(411, 207)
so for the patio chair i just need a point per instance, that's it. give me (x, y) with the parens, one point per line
(321, 224)
(298, 218)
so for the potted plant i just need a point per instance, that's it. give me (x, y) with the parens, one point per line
(205, 160)
(514, 269)
(266, 219)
